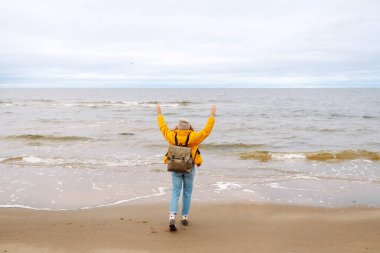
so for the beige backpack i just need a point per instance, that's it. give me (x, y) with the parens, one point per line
(179, 157)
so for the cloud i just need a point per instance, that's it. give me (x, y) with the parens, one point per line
(189, 44)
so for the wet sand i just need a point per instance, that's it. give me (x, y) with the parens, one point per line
(212, 228)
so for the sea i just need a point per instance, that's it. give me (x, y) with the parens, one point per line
(68, 149)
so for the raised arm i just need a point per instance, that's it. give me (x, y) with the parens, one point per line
(201, 135)
(166, 132)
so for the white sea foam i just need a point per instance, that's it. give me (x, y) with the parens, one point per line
(277, 186)
(70, 162)
(162, 105)
(161, 191)
(90, 104)
(106, 104)
(25, 207)
(95, 187)
(226, 186)
(289, 156)
(34, 159)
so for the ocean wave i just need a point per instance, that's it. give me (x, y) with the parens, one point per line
(340, 115)
(213, 146)
(43, 100)
(100, 104)
(41, 137)
(94, 104)
(313, 156)
(331, 130)
(12, 104)
(33, 102)
(167, 104)
(216, 146)
(337, 172)
(368, 117)
(81, 162)
(126, 134)
(53, 103)
(183, 102)
(11, 159)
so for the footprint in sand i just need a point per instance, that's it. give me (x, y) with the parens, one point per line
(144, 221)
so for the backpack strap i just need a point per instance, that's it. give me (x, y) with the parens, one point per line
(187, 139)
(186, 143)
(197, 153)
(195, 156)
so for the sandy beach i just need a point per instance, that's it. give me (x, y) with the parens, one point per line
(213, 228)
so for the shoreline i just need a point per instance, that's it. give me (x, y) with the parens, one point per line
(223, 227)
(146, 201)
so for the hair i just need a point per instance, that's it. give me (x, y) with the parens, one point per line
(191, 128)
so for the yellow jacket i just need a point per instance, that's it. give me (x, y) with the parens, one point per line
(194, 140)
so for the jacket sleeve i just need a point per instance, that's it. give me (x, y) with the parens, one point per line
(166, 132)
(201, 135)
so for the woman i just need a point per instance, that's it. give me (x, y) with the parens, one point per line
(184, 133)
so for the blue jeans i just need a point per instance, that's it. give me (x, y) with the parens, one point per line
(179, 179)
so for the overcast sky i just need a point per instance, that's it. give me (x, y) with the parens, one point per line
(206, 43)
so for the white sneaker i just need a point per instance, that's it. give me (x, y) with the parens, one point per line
(184, 220)
(172, 225)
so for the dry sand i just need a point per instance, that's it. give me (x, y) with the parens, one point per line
(212, 228)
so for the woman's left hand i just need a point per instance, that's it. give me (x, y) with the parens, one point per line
(158, 109)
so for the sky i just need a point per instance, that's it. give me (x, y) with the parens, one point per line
(197, 43)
